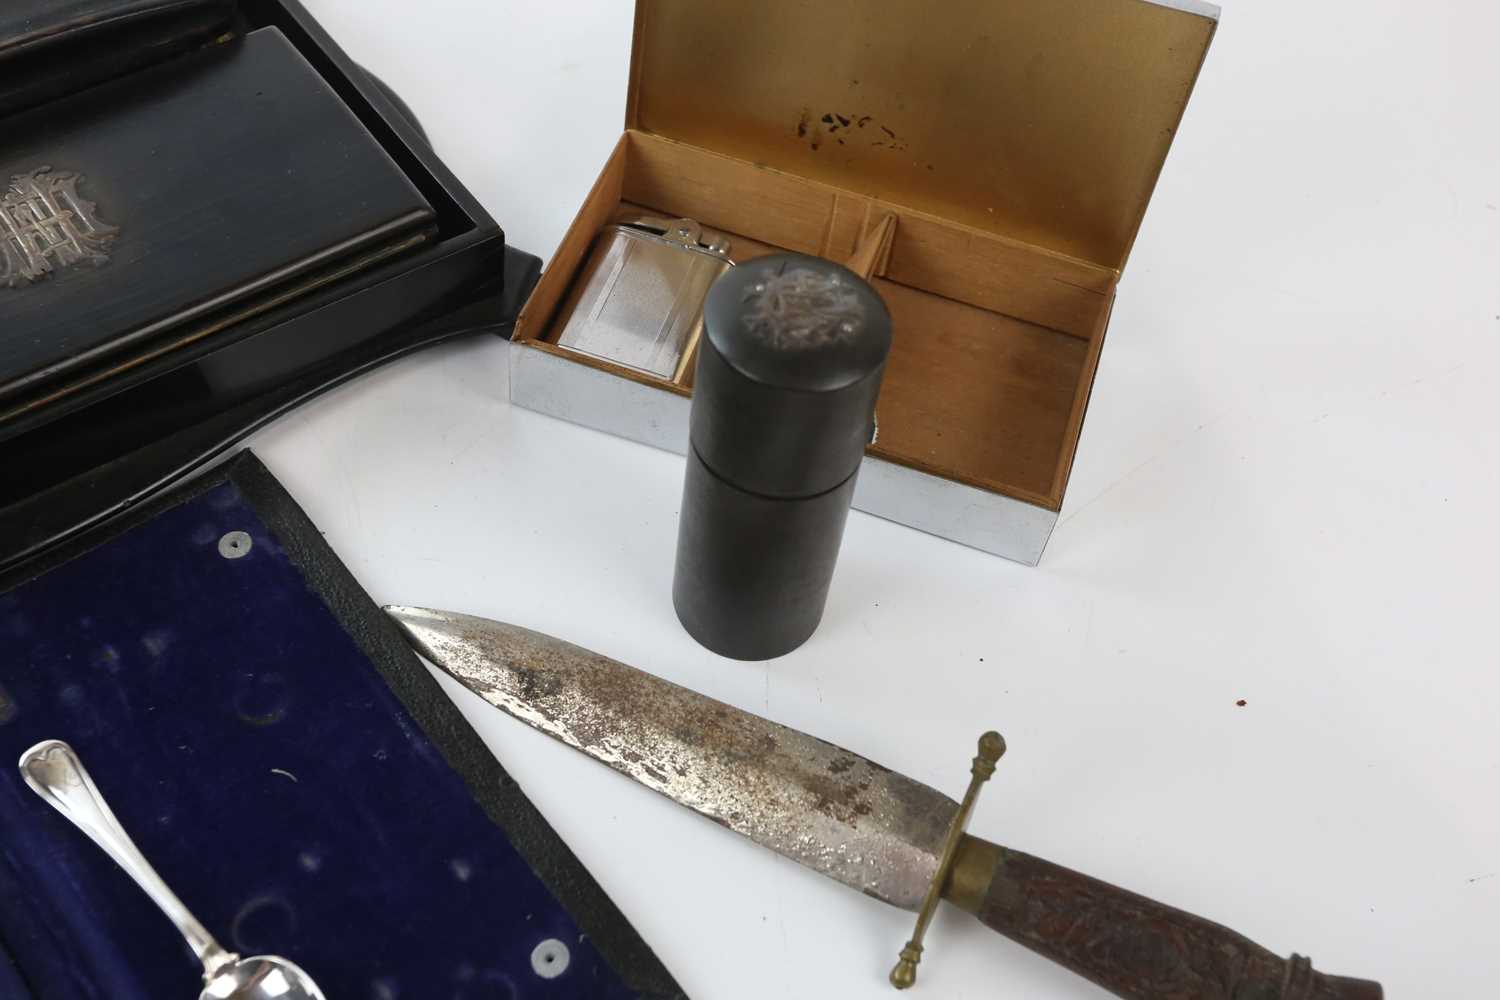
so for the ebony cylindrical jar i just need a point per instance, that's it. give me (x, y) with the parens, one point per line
(789, 367)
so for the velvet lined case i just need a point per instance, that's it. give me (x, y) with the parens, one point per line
(292, 771)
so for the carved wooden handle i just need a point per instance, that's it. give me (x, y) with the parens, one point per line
(1130, 945)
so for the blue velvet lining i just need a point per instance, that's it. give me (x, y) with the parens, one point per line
(265, 769)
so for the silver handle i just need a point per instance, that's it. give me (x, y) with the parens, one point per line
(55, 773)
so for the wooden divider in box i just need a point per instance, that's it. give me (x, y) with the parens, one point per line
(995, 344)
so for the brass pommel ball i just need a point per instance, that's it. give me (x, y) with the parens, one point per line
(992, 747)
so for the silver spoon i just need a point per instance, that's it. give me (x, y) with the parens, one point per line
(55, 773)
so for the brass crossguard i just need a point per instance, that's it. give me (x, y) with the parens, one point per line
(991, 748)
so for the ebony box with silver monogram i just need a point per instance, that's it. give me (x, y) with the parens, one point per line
(207, 213)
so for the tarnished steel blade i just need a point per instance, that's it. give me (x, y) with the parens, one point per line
(829, 809)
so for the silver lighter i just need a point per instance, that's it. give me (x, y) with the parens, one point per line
(638, 301)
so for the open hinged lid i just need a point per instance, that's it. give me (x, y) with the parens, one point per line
(1044, 121)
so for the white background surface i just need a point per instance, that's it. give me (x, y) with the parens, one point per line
(1286, 492)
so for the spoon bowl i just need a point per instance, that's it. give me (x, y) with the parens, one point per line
(261, 977)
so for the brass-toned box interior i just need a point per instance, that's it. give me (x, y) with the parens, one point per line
(995, 344)
(1012, 147)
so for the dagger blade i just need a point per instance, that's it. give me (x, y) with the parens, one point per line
(834, 811)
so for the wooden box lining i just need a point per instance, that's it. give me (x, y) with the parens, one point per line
(996, 342)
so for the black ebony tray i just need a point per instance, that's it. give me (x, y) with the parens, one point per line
(89, 436)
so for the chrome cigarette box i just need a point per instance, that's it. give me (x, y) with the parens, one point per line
(985, 166)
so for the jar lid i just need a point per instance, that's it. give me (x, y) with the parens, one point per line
(789, 369)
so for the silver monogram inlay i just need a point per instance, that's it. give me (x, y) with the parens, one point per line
(46, 226)
(802, 309)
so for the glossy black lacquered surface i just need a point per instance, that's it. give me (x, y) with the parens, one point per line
(166, 415)
(30, 26)
(226, 179)
(54, 47)
(100, 461)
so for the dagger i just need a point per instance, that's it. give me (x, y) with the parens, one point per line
(855, 821)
